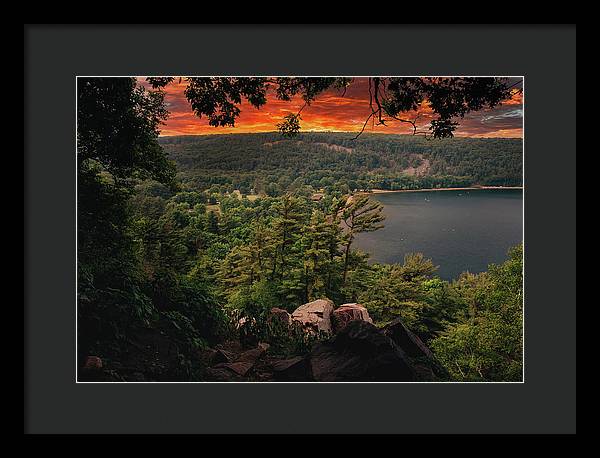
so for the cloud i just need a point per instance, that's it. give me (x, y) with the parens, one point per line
(517, 113)
(335, 111)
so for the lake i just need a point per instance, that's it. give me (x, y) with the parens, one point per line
(458, 230)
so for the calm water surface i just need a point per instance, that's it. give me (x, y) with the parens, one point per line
(458, 230)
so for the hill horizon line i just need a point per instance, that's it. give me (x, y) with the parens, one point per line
(330, 132)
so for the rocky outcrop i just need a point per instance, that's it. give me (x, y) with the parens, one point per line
(211, 356)
(421, 357)
(409, 342)
(349, 312)
(239, 368)
(359, 352)
(315, 315)
(356, 350)
(321, 315)
(292, 369)
(220, 373)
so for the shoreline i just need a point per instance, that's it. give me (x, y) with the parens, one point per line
(472, 188)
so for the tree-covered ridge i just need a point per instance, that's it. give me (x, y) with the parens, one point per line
(268, 163)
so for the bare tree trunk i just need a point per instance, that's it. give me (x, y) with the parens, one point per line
(346, 259)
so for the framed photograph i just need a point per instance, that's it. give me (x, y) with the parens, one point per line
(274, 238)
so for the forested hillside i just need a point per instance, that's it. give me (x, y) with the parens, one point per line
(218, 278)
(271, 164)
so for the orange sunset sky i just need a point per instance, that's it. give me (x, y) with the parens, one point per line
(333, 112)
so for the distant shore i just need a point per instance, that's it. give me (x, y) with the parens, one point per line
(472, 188)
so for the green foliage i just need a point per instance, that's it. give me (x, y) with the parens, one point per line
(255, 300)
(285, 251)
(250, 311)
(265, 162)
(136, 239)
(425, 303)
(191, 198)
(292, 242)
(487, 344)
(117, 144)
(359, 213)
(184, 331)
(392, 291)
(117, 128)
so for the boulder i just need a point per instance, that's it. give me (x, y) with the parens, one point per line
(206, 357)
(292, 369)
(280, 316)
(359, 352)
(315, 315)
(222, 374)
(349, 312)
(422, 359)
(244, 362)
(211, 356)
(409, 342)
(223, 356)
(93, 362)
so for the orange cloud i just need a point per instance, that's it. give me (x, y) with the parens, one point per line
(332, 111)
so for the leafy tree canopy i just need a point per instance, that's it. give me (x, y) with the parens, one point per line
(118, 124)
(449, 98)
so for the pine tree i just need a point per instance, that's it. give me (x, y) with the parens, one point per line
(360, 214)
(213, 222)
(286, 227)
(317, 259)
